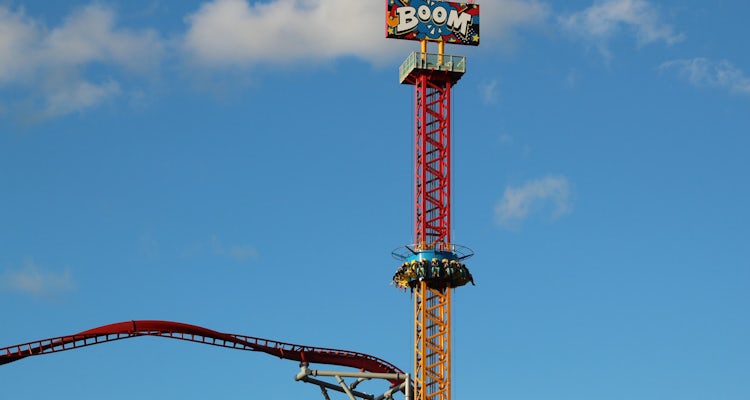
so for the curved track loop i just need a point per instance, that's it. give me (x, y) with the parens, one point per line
(193, 333)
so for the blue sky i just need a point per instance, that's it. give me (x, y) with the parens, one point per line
(246, 166)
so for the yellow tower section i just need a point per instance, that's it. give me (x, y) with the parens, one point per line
(432, 343)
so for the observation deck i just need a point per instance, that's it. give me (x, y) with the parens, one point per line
(418, 63)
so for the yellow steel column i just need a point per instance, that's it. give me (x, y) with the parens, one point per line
(423, 49)
(447, 346)
(419, 341)
(432, 358)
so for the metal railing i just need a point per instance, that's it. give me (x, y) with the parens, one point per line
(432, 61)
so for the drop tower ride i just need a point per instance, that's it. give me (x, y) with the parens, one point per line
(433, 265)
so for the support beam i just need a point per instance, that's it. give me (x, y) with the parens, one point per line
(306, 374)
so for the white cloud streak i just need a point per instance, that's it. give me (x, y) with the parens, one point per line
(90, 35)
(31, 279)
(703, 72)
(235, 32)
(240, 253)
(77, 96)
(51, 64)
(605, 19)
(551, 193)
(488, 92)
(500, 17)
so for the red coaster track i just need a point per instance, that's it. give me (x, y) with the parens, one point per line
(192, 333)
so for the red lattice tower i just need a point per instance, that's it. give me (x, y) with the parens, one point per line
(432, 265)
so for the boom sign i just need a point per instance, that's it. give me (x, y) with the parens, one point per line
(437, 21)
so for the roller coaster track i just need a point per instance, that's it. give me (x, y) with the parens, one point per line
(197, 334)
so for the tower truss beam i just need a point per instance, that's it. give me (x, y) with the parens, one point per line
(432, 156)
(432, 328)
(432, 264)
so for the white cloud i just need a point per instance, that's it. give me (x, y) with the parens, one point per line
(78, 96)
(243, 252)
(505, 138)
(488, 92)
(551, 193)
(33, 280)
(605, 19)
(571, 80)
(235, 32)
(90, 35)
(16, 36)
(703, 72)
(52, 64)
(500, 18)
(239, 253)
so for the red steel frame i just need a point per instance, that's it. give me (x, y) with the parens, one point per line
(197, 334)
(432, 162)
(432, 231)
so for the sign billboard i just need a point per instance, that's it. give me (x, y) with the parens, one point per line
(436, 21)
